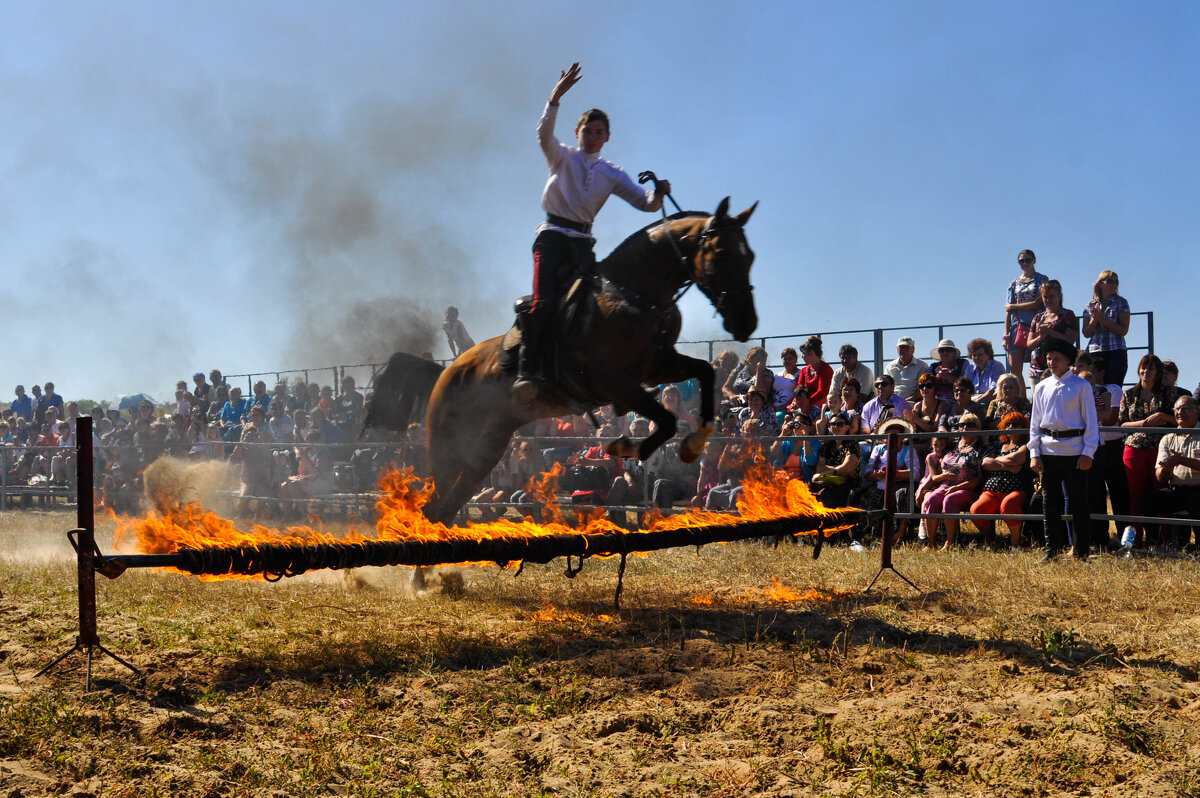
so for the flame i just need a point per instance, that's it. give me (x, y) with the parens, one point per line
(775, 593)
(767, 495)
(549, 612)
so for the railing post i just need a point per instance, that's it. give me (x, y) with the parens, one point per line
(879, 361)
(1150, 330)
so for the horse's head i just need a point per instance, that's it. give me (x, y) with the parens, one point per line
(722, 270)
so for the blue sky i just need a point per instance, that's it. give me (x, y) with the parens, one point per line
(272, 186)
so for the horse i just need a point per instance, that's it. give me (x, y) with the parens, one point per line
(622, 338)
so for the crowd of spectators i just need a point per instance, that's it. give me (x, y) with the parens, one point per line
(286, 442)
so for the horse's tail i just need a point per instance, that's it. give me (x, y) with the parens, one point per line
(402, 390)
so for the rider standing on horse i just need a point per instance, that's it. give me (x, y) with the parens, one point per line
(579, 184)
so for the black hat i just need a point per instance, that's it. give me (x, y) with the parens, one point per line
(1064, 348)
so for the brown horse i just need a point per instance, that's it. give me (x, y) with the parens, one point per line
(622, 338)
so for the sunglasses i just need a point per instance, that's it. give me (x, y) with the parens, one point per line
(881, 384)
(1111, 281)
(834, 424)
(1023, 261)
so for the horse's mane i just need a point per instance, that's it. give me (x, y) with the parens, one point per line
(641, 238)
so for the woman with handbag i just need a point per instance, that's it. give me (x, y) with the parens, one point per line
(1024, 300)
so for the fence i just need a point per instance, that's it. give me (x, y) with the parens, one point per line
(351, 490)
(875, 346)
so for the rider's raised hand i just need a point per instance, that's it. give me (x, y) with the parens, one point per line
(565, 81)
(662, 188)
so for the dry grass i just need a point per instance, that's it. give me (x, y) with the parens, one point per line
(1003, 678)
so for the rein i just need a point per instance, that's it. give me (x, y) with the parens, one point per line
(689, 281)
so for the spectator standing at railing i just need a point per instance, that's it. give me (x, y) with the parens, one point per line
(982, 370)
(1106, 323)
(1063, 438)
(886, 404)
(37, 405)
(817, 375)
(850, 403)
(456, 333)
(1112, 488)
(1147, 404)
(280, 427)
(1171, 377)
(202, 391)
(51, 399)
(22, 406)
(349, 405)
(1178, 471)
(1024, 300)
(905, 370)
(851, 367)
(1053, 321)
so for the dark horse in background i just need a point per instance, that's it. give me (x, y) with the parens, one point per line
(621, 339)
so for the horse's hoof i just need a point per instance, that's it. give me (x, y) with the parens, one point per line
(693, 444)
(622, 447)
(525, 391)
(418, 580)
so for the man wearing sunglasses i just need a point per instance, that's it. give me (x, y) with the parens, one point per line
(886, 404)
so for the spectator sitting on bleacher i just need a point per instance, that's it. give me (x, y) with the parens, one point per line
(962, 405)
(215, 379)
(745, 376)
(260, 398)
(312, 398)
(233, 414)
(220, 399)
(1171, 377)
(956, 486)
(22, 406)
(731, 468)
(906, 369)
(886, 404)
(802, 405)
(908, 466)
(1008, 400)
(982, 370)
(591, 471)
(672, 479)
(947, 366)
(795, 450)
(837, 465)
(786, 379)
(255, 464)
(627, 487)
(757, 409)
(851, 367)
(314, 475)
(672, 399)
(851, 402)
(1007, 480)
(281, 427)
(1178, 472)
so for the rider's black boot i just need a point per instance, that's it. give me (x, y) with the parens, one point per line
(525, 389)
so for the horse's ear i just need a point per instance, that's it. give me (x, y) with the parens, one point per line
(722, 209)
(744, 216)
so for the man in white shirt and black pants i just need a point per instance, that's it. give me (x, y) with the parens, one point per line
(1063, 437)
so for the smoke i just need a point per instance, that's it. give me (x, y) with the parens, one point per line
(368, 243)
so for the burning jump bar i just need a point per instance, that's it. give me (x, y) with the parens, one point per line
(291, 560)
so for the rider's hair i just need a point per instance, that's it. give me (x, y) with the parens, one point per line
(594, 115)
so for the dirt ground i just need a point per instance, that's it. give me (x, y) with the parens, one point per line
(998, 677)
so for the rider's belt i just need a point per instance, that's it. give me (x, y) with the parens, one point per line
(570, 224)
(1060, 434)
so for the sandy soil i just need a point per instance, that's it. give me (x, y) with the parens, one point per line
(1000, 677)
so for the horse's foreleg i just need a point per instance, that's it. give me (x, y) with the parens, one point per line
(679, 368)
(645, 405)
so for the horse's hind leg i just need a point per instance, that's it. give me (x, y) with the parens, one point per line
(679, 368)
(644, 404)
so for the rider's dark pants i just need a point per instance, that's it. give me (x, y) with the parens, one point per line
(557, 259)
